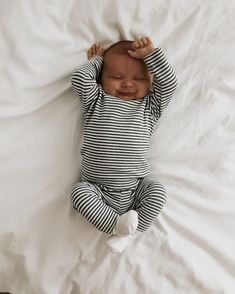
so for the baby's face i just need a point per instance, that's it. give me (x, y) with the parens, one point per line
(125, 77)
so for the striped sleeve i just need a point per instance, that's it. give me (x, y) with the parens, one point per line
(164, 81)
(84, 81)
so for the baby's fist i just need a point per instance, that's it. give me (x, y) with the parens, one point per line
(141, 48)
(95, 50)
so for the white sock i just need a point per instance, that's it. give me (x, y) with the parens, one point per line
(118, 244)
(126, 223)
(125, 227)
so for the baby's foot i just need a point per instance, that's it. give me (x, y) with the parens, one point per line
(126, 223)
(118, 244)
(95, 50)
(125, 227)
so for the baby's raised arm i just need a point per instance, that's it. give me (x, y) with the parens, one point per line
(164, 78)
(84, 79)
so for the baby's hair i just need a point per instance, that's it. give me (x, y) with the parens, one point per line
(120, 47)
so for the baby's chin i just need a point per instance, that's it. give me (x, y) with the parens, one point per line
(127, 95)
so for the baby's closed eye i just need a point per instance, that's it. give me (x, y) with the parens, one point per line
(141, 78)
(116, 77)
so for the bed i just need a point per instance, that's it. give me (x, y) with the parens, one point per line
(45, 246)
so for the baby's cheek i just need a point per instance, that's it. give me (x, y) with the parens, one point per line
(110, 87)
(116, 85)
(146, 86)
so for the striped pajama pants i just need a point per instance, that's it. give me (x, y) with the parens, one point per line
(101, 206)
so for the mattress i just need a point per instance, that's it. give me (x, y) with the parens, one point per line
(48, 248)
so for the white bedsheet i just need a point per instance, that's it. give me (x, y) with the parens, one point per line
(45, 246)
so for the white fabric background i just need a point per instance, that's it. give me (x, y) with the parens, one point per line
(45, 247)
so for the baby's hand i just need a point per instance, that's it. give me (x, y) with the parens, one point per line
(95, 50)
(141, 48)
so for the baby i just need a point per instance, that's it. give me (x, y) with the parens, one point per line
(123, 90)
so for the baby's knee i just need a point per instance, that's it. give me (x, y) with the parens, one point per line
(79, 194)
(156, 190)
(77, 189)
(160, 189)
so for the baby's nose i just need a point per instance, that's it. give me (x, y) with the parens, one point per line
(127, 84)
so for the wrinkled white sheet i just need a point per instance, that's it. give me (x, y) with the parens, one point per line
(46, 247)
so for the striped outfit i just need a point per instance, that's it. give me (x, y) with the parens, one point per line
(115, 146)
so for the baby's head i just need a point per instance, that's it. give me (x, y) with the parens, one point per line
(123, 76)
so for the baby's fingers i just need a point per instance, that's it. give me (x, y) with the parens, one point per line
(141, 43)
(96, 49)
(90, 52)
(136, 45)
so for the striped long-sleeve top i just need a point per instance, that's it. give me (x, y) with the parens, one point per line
(117, 132)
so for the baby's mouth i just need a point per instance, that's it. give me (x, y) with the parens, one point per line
(128, 94)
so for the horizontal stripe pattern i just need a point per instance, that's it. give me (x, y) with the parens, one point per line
(101, 206)
(117, 132)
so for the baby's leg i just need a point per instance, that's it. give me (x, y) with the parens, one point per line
(150, 199)
(87, 199)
